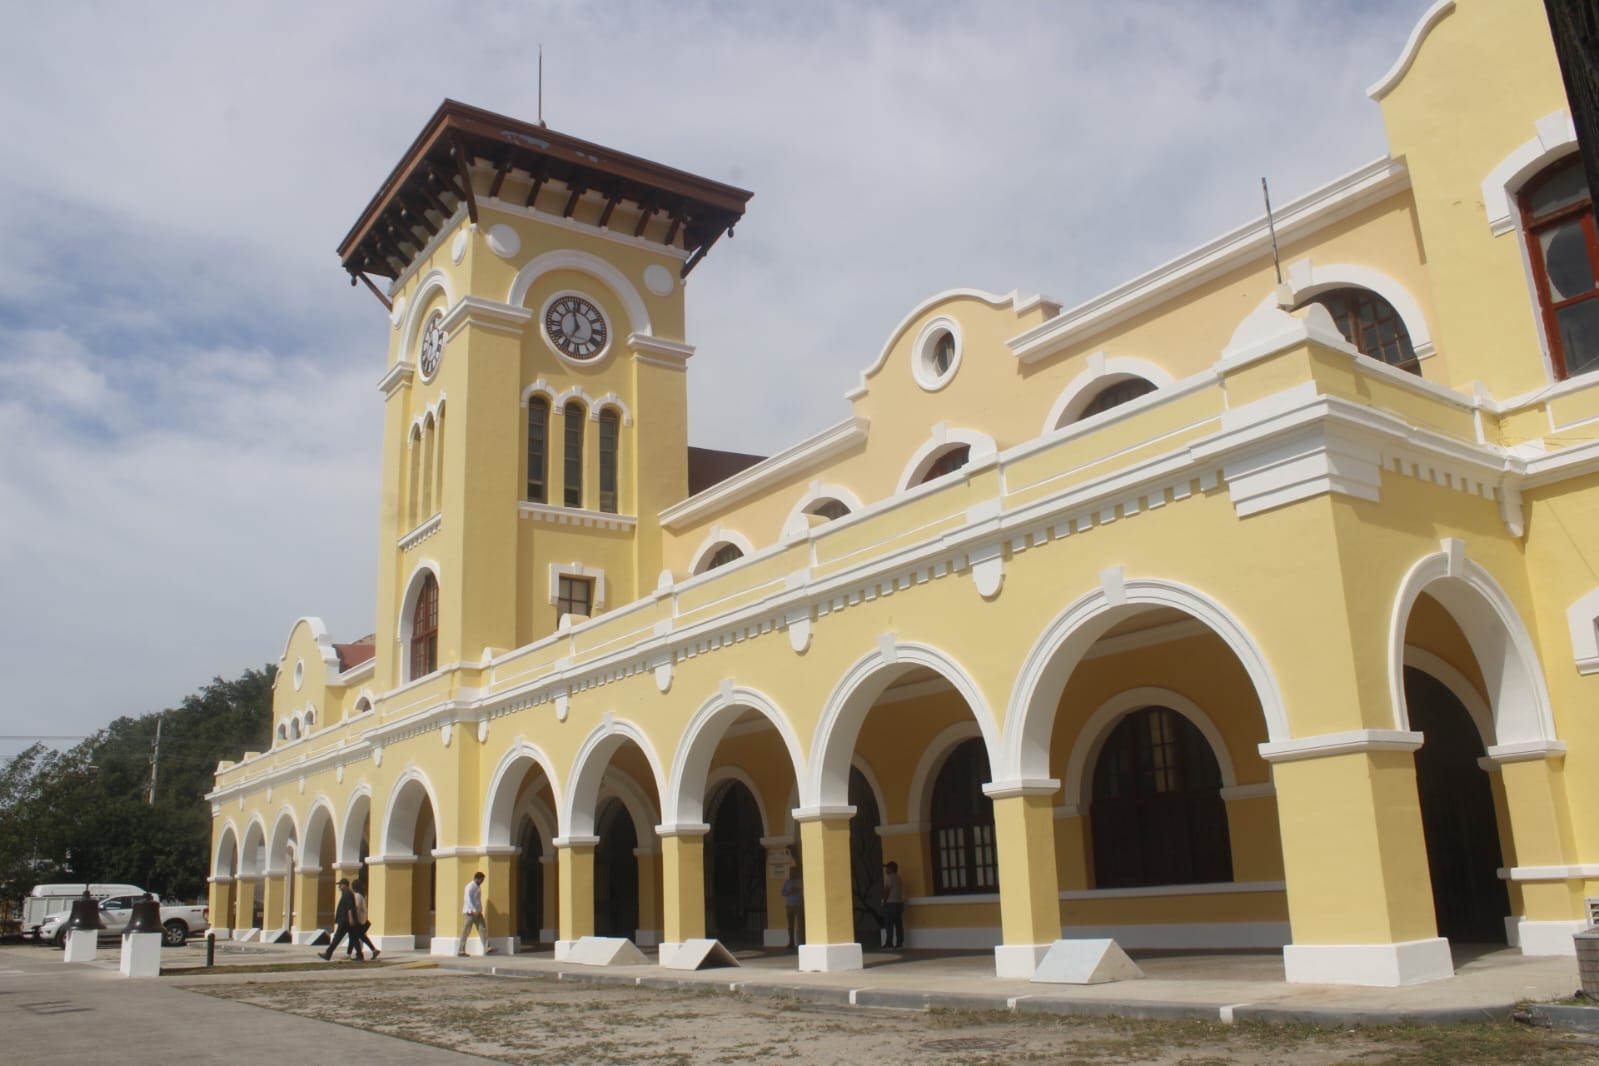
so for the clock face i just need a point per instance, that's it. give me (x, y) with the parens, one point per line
(575, 327)
(432, 345)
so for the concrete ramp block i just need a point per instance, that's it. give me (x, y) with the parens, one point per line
(245, 935)
(606, 951)
(1086, 962)
(698, 955)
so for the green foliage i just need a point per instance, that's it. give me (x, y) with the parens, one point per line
(86, 813)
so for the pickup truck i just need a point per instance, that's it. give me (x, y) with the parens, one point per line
(178, 921)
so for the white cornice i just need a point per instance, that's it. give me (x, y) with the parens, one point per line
(576, 516)
(657, 352)
(1353, 742)
(1297, 219)
(398, 377)
(791, 462)
(1407, 55)
(486, 314)
(422, 532)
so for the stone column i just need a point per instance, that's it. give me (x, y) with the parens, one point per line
(244, 896)
(389, 904)
(575, 874)
(682, 883)
(1029, 892)
(306, 923)
(1355, 860)
(274, 903)
(829, 907)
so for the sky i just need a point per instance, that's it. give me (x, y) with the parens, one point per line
(188, 383)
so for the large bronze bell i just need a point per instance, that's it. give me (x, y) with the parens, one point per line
(85, 914)
(145, 917)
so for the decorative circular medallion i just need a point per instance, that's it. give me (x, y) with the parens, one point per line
(575, 327)
(432, 351)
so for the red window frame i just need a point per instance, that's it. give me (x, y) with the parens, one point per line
(425, 629)
(1548, 307)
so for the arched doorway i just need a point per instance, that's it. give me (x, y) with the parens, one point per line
(865, 861)
(735, 867)
(530, 885)
(1457, 815)
(616, 873)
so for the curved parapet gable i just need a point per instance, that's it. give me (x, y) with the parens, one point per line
(1407, 55)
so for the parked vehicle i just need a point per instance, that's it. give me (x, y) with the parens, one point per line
(178, 920)
(45, 900)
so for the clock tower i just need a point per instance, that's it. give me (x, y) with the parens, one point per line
(535, 395)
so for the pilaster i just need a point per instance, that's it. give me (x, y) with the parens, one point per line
(575, 878)
(1029, 894)
(829, 904)
(389, 903)
(682, 882)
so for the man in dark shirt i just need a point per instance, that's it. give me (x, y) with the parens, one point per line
(343, 922)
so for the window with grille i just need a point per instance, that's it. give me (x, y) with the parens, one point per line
(573, 494)
(1563, 249)
(1157, 816)
(1371, 324)
(425, 629)
(610, 432)
(948, 463)
(727, 553)
(965, 859)
(1114, 395)
(538, 433)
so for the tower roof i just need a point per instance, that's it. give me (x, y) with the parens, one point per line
(433, 178)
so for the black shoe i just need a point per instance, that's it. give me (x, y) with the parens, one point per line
(325, 956)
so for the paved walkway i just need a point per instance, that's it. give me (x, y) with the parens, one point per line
(90, 1015)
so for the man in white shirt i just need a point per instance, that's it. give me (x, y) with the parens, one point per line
(472, 908)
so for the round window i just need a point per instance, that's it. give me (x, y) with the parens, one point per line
(938, 354)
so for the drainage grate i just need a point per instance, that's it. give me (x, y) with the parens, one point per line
(968, 1043)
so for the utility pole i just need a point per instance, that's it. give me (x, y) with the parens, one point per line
(155, 757)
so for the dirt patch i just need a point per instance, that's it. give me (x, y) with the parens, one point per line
(533, 1021)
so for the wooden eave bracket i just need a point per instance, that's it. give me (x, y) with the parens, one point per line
(464, 172)
(387, 304)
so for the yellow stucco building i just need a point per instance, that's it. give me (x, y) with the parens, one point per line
(1214, 612)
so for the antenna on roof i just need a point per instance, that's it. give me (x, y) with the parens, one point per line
(1285, 296)
(541, 85)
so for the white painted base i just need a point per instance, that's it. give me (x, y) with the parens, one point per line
(1546, 938)
(271, 936)
(304, 937)
(696, 954)
(774, 938)
(475, 946)
(830, 958)
(1377, 965)
(405, 942)
(220, 934)
(141, 955)
(1018, 960)
(242, 935)
(505, 945)
(1173, 935)
(82, 945)
(606, 951)
(563, 949)
(1086, 962)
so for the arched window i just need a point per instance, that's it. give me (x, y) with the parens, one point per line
(828, 508)
(964, 858)
(727, 553)
(425, 630)
(949, 462)
(610, 432)
(1157, 816)
(1557, 211)
(1116, 394)
(1371, 324)
(413, 498)
(538, 447)
(573, 491)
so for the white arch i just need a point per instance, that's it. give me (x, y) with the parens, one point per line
(683, 801)
(1503, 648)
(402, 624)
(421, 305)
(1097, 729)
(1554, 137)
(499, 814)
(403, 810)
(620, 786)
(1030, 716)
(540, 388)
(1101, 372)
(544, 822)
(225, 856)
(321, 814)
(733, 775)
(588, 768)
(796, 523)
(873, 785)
(574, 393)
(252, 853)
(281, 845)
(827, 775)
(714, 540)
(942, 439)
(1308, 279)
(919, 800)
(570, 259)
(319, 635)
(357, 809)
(1460, 686)
(610, 401)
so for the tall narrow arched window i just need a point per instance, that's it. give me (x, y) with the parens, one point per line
(964, 857)
(429, 443)
(1371, 324)
(413, 495)
(1563, 247)
(572, 494)
(1157, 815)
(949, 462)
(538, 447)
(425, 629)
(610, 438)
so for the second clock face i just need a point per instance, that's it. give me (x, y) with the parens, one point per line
(432, 350)
(575, 327)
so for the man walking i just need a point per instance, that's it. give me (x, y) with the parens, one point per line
(472, 908)
(358, 935)
(344, 923)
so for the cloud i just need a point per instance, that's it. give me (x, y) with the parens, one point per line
(189, 380)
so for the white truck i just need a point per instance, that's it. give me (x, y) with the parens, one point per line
(178, 920)
(45, 900)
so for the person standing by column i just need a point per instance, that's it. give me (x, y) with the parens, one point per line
(343, 923)
(794, 902)
(472, 908)
(893, 907)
